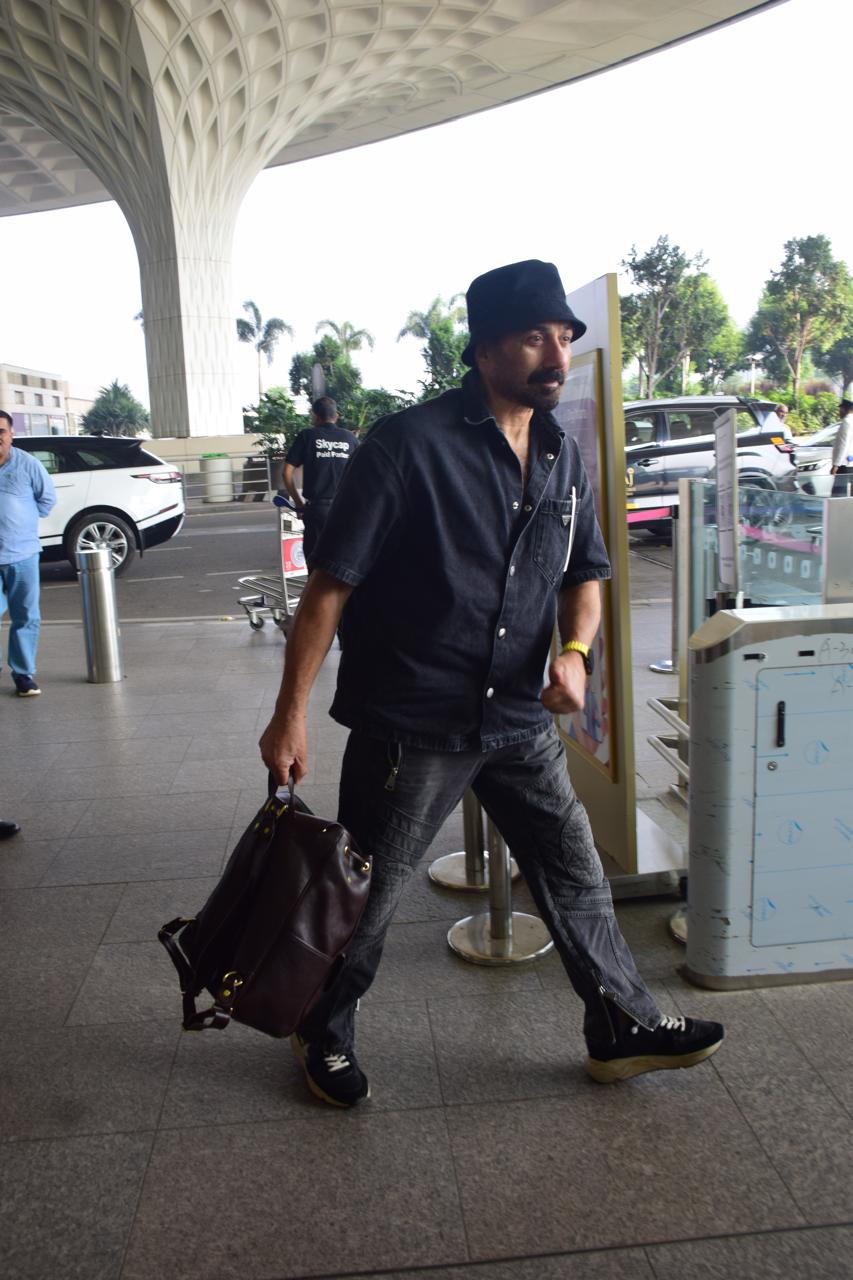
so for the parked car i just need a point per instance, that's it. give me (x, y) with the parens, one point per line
(108, 490)
(666, 440)
(814, 462)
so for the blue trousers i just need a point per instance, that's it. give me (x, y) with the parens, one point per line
(526, 790)
(19, 593)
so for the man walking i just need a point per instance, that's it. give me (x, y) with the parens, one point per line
(451, 544)
(842, 446)
(322, 451)
(26, 492)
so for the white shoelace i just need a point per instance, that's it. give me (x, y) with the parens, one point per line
(336, 1061)
(669, 1023)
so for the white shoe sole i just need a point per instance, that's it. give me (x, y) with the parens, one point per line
(626, 1068)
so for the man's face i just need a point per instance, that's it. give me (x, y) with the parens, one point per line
(529, 367)
(5, 441)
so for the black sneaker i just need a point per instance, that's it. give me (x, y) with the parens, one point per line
(332, 1072)
(26, 687)
(675, 1042)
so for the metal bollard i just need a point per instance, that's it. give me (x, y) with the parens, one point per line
(499, 936)
(100, 616)
(468, 869)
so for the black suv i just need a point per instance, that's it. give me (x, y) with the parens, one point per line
(666, 440)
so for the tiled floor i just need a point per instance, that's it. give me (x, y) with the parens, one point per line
(131, 1150)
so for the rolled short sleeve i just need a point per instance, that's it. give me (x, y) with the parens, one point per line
(589, 559)
(296, 452)
(368, 506)
(43, 490)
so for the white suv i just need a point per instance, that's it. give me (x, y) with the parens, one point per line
(108, 490)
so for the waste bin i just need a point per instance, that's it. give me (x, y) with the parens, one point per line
(217, 477)
(770, 885)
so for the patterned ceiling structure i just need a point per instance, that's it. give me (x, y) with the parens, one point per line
(172, 107)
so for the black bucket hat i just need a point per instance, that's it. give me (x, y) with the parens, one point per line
(516, 297)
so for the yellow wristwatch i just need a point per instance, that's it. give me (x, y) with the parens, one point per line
(577, 646)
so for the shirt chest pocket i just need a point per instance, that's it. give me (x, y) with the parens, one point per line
(552, 529)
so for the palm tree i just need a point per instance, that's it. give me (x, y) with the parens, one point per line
(346, 335)
(263, 335)
(421, 323)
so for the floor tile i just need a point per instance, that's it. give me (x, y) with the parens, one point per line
(24, 861)
(544, 1176)
(116, 782)
(822, 1253)
(46, 819)
(417, 963)
(128, 982)
(191, 723)
(221, 774)
(40, 986)
(122, 751)
(274, 1185)
(72, 916)
(159, 855)
(66, 1207)
(222, 746)
(58, 1082)
(610, 1264)
(198, 811)
(143, 908)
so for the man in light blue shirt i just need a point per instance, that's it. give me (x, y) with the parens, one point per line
(26, 492)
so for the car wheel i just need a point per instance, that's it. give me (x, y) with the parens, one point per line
(99, 528)
(662, 529)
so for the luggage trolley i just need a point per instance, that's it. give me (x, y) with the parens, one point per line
(272, 596)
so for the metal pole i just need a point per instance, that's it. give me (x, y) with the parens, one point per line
(467, 869)
(499, 936)
(100, 616)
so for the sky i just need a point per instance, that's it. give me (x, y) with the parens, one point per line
(730, 144)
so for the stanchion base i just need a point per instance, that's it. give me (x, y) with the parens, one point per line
(450, 872)
(678, 925)
(472, 940)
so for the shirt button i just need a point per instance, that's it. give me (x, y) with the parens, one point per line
(528, 507)
(490, 693)
(515, 506)
(512, 570)
(501, 633)
(550, 457)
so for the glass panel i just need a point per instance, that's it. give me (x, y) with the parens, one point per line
(640, 430)
(687, 425)
(781, 545)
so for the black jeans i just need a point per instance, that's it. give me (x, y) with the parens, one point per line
(314, 518)
(394, 799)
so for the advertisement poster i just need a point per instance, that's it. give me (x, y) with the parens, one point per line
(580, 415)
(292, 555)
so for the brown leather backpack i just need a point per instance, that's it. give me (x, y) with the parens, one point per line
(274, 929)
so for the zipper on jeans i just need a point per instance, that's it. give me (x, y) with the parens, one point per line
(611, 995)
(395, 756)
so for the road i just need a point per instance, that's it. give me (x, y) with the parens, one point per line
(195, 574)
(192, 576)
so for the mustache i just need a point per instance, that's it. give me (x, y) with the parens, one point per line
(547, 375)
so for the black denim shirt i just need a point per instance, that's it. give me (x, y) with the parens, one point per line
(456, 569)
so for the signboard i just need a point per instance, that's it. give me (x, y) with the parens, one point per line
(580, 414)
(292, 555)
(725, 452)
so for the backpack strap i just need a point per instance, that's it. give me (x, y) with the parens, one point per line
(194, 1019)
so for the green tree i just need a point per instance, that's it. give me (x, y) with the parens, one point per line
(346, 335)
(368, 404)
(837, 358)
(115, 413)
(343, 379)
(264, 335)
(802, 306)
(658, 318)
(700, 335)
(441, 330)
(276, 419)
